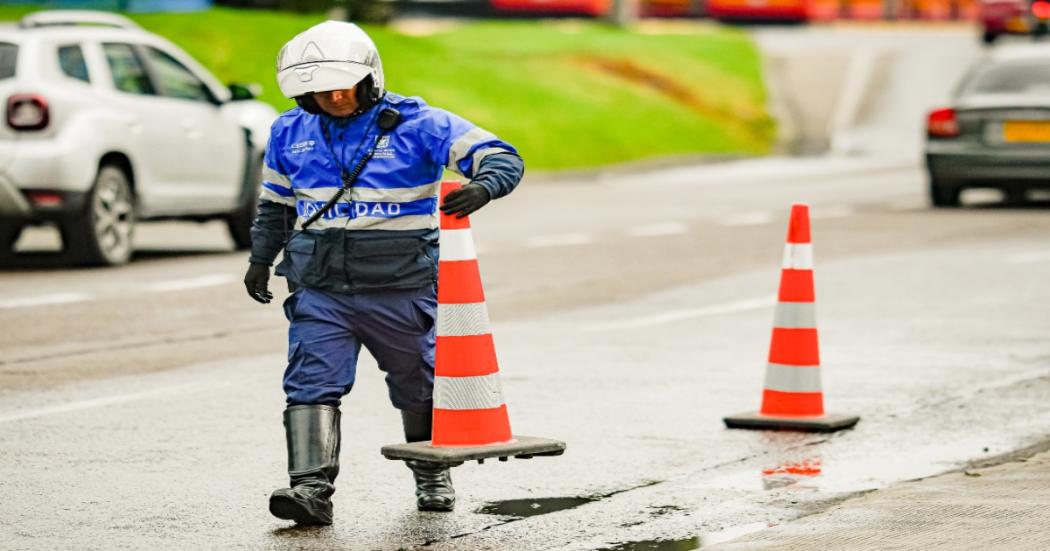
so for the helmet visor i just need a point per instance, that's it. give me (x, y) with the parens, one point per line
(320, 76)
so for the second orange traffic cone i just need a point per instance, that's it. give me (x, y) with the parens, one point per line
(793, 398)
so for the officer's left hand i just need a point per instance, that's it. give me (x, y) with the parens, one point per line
(465, 200)
(256, 281)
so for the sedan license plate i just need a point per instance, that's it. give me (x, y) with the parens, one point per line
(1017, 25)
(1026, 131)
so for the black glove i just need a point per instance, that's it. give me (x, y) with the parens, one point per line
(465, 200)
(256, 281)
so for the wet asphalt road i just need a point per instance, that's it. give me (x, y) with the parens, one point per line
(140, 406)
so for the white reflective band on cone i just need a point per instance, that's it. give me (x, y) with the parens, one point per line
(795, 315)
(793, 378)
(462, 320)
(457, 245)
(798, 256)
(484, 392)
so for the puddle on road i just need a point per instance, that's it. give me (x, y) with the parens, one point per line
(656, 545)
(523, 508)
(707, 538)
(792, 473)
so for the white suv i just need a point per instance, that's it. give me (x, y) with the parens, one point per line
(107, 124)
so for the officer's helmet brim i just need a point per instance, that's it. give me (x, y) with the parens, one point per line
(321, 76)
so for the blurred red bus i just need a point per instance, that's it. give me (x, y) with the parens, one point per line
(593, 8)
(758, 10)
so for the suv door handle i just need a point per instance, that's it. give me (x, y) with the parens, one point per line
(193, 130)
(134, 124)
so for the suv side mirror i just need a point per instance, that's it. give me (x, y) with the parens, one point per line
(241, 92)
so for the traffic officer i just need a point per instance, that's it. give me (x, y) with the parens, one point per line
(350, 191)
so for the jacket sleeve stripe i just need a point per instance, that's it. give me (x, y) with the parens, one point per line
(480, 155)
(465, 143)
(279, 190)
(276, 178)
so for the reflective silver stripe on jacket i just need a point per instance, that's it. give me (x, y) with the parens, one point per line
(361, 194)
(459, 393)
(276, 178)
(395, 195)
(480, 155)
(461, 320)
(464, 143)
(793, 378)
(267, 194)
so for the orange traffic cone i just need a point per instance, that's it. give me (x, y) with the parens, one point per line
(792, 398)
(470, 415)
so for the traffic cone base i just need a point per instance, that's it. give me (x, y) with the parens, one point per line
(828, 422)
(522, 447)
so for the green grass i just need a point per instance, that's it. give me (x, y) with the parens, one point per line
(567, 94)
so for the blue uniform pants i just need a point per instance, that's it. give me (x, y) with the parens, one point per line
(327, 331)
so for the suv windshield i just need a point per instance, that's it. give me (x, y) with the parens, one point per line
(1011, 78)
(8, 58)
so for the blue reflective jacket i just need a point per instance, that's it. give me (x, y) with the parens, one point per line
(383, 233)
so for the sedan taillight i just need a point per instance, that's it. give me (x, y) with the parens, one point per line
(941, 123)
(27, 112)
(1041, 9)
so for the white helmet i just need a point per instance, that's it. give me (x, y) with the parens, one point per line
(333, 55)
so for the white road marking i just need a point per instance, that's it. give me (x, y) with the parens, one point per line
(90, 404)
(561, 240)
(44, 300)
(679, 315)
(659, 229)
(905, 205)
(756, 218)
(824, 213)
(721, 536)
(212, 280)
(1028, 258)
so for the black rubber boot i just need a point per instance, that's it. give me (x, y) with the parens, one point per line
(313, 464)
(434, 491)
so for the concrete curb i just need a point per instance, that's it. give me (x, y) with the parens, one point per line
(992, 507)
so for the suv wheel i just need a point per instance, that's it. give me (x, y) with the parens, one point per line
(102, 234)
(239, 222)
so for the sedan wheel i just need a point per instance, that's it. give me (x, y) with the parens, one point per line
(9, 233)
(944, 196)
(103, 234)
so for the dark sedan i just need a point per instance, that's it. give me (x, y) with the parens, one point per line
(996, 132)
